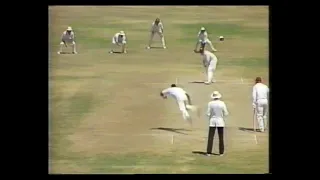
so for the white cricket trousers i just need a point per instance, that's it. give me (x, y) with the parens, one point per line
(160, 35)
(184, 107)
(261, 113)
(210, 70)
(71, 43)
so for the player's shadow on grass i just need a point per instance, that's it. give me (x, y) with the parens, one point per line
(197, 82)
(156, 47)
(246, 129)
(175, 130)
(65, 52)
(202, 153)
(116, 52)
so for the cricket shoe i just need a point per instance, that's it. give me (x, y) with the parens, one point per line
(111, 52)
(207, 82)
(75, 52)
(164, 47)
(59, 52)
(148, 47)
(221, 154)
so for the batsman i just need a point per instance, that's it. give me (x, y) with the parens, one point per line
(260, 94)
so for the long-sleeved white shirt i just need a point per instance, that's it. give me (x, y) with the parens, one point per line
(203, 36)
(119, 39)
(259, 91)
(157, 28)
(67, 37)
(217, 110)
(208, 57)
(176, 92)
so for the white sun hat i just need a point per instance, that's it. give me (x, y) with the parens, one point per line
(122, 33)
(216, 95)
(69, 28)
(203, 29)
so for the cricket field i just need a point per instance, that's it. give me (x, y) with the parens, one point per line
(106, 115)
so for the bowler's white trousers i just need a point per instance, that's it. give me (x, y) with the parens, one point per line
(261, 113)
(184, 107)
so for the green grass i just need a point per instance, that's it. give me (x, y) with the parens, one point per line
(94, 94)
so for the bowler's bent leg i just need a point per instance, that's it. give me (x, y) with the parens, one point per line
(185, 113)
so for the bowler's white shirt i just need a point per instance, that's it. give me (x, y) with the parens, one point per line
(67, 37)
(118, 39)
(157, 28)
(259, 91)
(208, 57)
(203, 36)
(176, 92)
(217, 110)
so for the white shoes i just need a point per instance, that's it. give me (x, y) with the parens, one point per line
(148, 47)
(164, 47)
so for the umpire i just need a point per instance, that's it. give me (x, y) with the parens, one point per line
(217, 110)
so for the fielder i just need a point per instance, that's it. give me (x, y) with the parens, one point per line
(260, 94)
(119, 39)
(209, 61)
(203, 40)
(183, 100)
(157, 28)
(68, 38)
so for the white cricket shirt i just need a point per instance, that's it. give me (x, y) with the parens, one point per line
(259, 91)
(119, 39)
(217, 110)
(203, 36)
(157, 28)
(176, 92)
(67, 37)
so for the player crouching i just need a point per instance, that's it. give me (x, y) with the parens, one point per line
(119, 39)
(68, 38)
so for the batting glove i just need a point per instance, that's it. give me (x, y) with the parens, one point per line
(254, 105)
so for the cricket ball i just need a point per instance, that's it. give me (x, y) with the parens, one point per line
(221, 38)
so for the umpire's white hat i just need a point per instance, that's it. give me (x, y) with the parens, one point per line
(122, 33)
(203, 29)
(69, 28)
(216, 95)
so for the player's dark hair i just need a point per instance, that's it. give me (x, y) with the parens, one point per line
(173, 85)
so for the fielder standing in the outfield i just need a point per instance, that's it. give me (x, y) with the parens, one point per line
(216, 112)
(157, 28)
(119, 39)
(209, 61)
(67, 38)
(260, 94)
(203, 40)
(183, 99)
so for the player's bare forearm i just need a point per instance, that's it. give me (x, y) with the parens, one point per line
(189, 99)
(64, 42)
